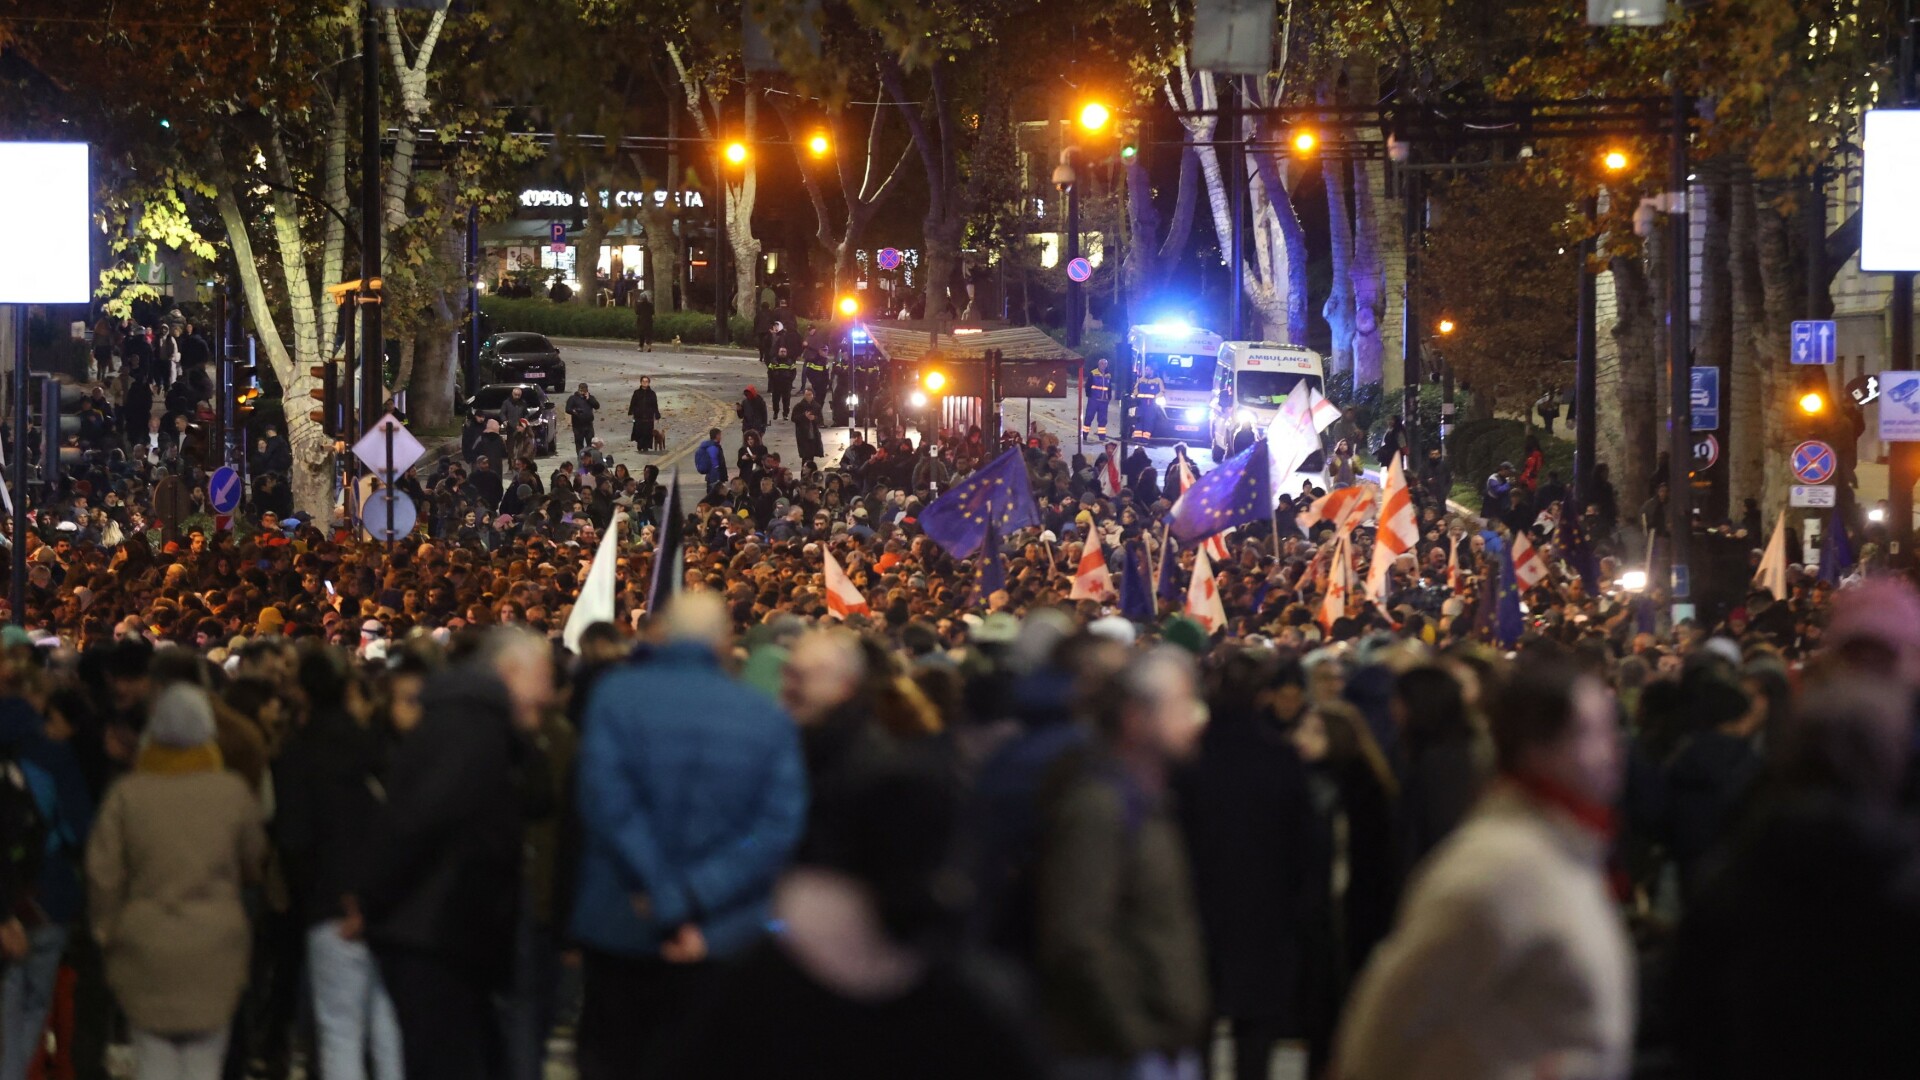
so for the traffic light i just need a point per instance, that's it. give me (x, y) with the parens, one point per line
(60, 429)
(1813, 402)
(245, 370)
(331, 415)
(1129, 152)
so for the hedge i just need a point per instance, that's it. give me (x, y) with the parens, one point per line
(540, 316)
(1478, 446)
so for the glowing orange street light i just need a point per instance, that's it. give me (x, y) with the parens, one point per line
(1615, 160)
(1305, 141)
(1813, 403)
(818, 145)
(1094, 116)
(1446, 326)
(736, 152)
(849, 306)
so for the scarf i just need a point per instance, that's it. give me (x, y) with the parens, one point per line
(178, 761)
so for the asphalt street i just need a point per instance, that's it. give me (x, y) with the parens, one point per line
(698, 390)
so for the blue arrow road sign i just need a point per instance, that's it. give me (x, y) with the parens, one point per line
(1813, 462)
(1706, 399)
(223, 490)
(1815, 341)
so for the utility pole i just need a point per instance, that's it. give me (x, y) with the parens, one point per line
(1901, 455)
(1679, 377)
(17, 591)
(1237, 181)
(1075, 292)
(372, 334)
(1585, 362)
(1414, 192)
(470, 357)
(719, 259)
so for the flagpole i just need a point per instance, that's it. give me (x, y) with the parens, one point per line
(1153, 558)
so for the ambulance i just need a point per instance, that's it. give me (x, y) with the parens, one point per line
(1251, 379)
(1181, 357)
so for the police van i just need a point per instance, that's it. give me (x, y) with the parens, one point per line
(1180, 359)
(1251, 380)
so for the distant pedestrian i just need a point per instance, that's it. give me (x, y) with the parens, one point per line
(580, 409)
(644, 408)
(806, 427)
(643, 319)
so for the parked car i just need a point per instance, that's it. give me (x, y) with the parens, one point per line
(522, 357)
(546, 432)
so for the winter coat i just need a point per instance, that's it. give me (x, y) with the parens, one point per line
(1509, 961)
(691, 792)
(1249, 819)
(324, 808)
(173, 846)
(66, 805)
(444, 864)
(1122, 967)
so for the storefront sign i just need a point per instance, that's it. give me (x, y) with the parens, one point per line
(549, 198)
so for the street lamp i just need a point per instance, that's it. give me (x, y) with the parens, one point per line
(1066, 181)
(1304, 141)
(1615, 160)
(734, 153)
(818, 145)
(849, 306)
(1813, 403)
(1446, 326)
(1094, 116)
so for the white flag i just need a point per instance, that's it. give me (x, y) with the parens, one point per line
(1772, 574)
(595, 602)
(1203, 596)
(1092, 581)
(843, 599)
(1399, 530)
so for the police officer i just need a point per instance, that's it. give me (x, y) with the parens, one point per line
(1099, 396)
(1147, 388)
(783, 359)
(815, 362)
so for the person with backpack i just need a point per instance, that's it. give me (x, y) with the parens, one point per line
(46, 810)
(710, 460)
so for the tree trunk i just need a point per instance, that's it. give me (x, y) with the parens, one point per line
(1635, 335)
(663, 253)
(430, 390)
(1746, 445)
(586, 252)
(1777, 288)
(740, 201)
(1714, 346)
(1338, 310)
(1369, 279)
(941, 253)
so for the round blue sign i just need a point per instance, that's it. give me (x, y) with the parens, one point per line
(223, 490)
(374, 516)
(1813, 462)
(889, 258)
(1079, 269)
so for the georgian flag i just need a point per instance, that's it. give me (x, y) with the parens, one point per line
(1529, 565)
(1292, 437)
(1215, 546)
(1324, 412)
(1339, 581)
(843, 599)
(1110, 472)
(1346, 507)
(1092, 581)
(1183, 478)
(1453, 563)
(1399, 530)
(1203, 596)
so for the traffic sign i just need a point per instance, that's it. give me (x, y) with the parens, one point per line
(373, 515)
(1900, 406)
(557, 235)
(1815, 341)
(1813, 462)
(1811, 496)
(889, 258)
(388, 432)
(1706, 398)
(223, 490)
(1864, 389)
(1706, 451)
(1079, 270)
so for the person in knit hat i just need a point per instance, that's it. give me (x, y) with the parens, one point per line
(174, 844)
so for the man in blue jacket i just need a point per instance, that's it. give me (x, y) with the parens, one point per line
(692, 795)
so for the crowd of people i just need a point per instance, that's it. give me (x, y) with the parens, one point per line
(275, 794)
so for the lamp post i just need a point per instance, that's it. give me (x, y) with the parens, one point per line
(1067, 182)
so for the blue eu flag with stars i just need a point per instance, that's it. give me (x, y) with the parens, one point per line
(999, 490)
(990, 575)
(1136, 589)
(1499, 616)
(1239, 492)
(1836, 549)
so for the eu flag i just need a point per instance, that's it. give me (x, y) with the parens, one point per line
(1171, 587)
(999, 490)
(1136, 590)
(669, 551)
(990, 575)
(1836, 549)
(1499, 615)
(1239, 492)
(1576, 548)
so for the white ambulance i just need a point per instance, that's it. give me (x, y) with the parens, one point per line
(1251, 379)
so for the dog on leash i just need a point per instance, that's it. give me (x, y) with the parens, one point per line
(659, 440)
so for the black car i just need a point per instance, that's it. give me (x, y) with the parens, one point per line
(524, 358)
(487, 403)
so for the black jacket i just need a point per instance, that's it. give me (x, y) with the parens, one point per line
(445, 862)
(325, 789)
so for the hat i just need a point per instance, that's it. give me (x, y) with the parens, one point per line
(998, 628)
(67, 526)
(271, 620)
(1184, 632)
(181, 718)
(1047, 537)
(1882, 609)
(372, 626)
(1113, 628)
